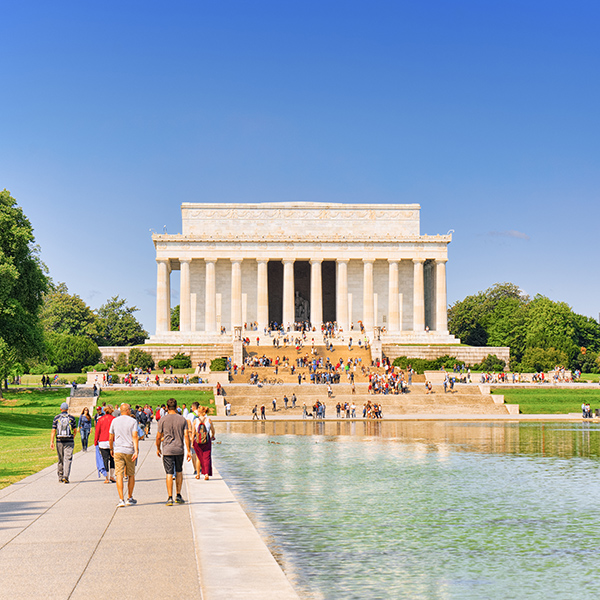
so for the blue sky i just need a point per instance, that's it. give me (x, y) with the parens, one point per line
(486, 113)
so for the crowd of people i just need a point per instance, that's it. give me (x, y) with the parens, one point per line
(117, 434)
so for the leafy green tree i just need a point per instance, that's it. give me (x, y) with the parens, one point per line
(175, 318)
(67, 313)
(141, 359)
(71, 352)
(551, 325)
(23, 282)
(117, 326)
(465, 320)
(542, 359)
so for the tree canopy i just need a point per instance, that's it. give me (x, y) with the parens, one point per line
(23, 282)
(67, 313)
(540, 332)
(117, 326)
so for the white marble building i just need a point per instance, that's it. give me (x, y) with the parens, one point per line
(282, 262)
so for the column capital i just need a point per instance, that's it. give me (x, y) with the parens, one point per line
(288, 261)
(210, 260)
(236, 260)
(342, 260)
(441, 260)
(418, 260)
(391, 261)
(262, 260)
(315, 261)
(185, 260)
(368, 260)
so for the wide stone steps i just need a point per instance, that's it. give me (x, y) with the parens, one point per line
(467, 400)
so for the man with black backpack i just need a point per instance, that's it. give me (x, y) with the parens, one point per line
(64, 428)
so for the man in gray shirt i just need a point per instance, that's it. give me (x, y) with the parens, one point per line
(123, 442)
(173, 433)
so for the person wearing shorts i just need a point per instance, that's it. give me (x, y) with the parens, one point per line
(172, 438)
(124, 448)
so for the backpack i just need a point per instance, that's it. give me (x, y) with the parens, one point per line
(202, 433)
(64, 427)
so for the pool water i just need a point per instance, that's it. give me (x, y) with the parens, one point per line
(429, 510)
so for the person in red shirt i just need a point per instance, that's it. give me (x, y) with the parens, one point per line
(101, 439)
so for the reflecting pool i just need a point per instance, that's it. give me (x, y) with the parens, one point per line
(422, 510)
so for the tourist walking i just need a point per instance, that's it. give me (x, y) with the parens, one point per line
(191, 417)
(102, 443)
(204, 434)
(172, 437)
(255, 412)
(124, 448)
(263, 413)
(64, 428)
(85, 427)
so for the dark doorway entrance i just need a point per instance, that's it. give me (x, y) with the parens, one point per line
(301, 289)
(329, 290)
(275, 274)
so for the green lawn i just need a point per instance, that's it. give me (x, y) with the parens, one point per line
(26, 420)
(549, 400)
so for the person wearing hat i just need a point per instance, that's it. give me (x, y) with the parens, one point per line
(64, 428)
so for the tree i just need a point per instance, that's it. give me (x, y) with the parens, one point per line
(23, 282)
(117, 326)
(70, 353)
(175, 318)
(551, 325)
(67, 313)
(140, 358)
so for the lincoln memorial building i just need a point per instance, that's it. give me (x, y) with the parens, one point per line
(243, 265)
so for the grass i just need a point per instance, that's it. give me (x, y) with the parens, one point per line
(26, 420)
(549, 401)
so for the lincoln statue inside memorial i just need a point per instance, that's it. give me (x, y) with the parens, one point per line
(253, 265)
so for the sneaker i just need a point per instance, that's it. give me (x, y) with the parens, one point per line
(121, 504)
(65, 480)
(131, 501)
(179, 499)
(169, 501)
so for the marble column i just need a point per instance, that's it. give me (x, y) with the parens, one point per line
(236, 292)
(289, 305)
(393, 297)
(163, 296)
(262, 294)
(316, 294)
(342, 315)
(441, 306)
(418, 296)
(210, 313)
(185, 309)
(368, 303)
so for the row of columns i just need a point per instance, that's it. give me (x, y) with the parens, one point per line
(163, 317)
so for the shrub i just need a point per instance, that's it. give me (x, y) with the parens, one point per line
(80, 380)
(491, 363)
(420, 365)
(115, 378)
(109, 362)
(194, 379)
(141, 359)
(218, 364)
(42, 369)
(179, 361)
(122, 364)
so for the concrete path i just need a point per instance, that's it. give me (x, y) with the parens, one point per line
(70, 541)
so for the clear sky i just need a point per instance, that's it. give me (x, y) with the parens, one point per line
(484, 112)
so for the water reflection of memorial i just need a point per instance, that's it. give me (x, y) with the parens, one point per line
(563, 440)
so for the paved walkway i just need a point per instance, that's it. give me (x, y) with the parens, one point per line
(70, 541)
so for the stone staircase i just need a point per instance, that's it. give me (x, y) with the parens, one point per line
(80, 398)
(465, 399)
